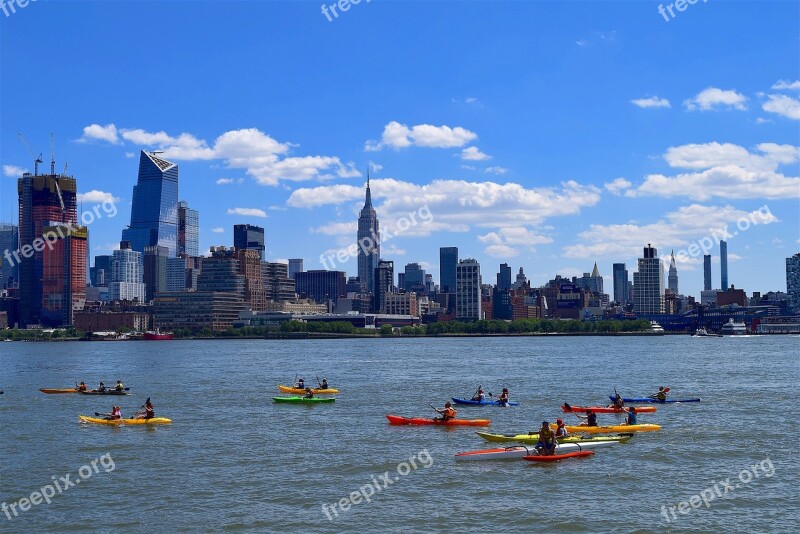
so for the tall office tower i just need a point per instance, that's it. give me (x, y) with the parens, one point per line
(220, 272)
(100, 274)
(723, 265)
(127, 274)
(430, 287)
(648, 283)
(520, 281)
(254, 290)
(591, 282)
(154, 211)
(707, 272)
(176, 274)
(188, 230)
(504, 277)
(249, 237)
(277, 283)
(295, 266)
(369, 244)
(414, 279)
(793, 282)
(468, 290)
(63, 273)
(448, 261)
(320, 285)
(384, 283)
(620, 283)
(9, 268)
(44, 201)
(155, 270)
(672, 279)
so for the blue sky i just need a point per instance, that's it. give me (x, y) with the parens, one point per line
(548, 135)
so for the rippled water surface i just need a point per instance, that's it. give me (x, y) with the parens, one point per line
(234, 461)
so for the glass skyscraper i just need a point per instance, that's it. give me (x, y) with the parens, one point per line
(154, 213)
(188, 230)
(249, 237)
(448, 261)
(723, 265)
(620, 283)
(9, 270)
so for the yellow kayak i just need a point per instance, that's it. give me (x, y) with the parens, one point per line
(101, 421)
(582, 429)
(315, 391)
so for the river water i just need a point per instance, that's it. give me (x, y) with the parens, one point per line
(235, 461)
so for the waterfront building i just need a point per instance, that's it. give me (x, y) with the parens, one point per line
(620, 275)
(504, 277)
(384, 284)
(298, 306)
(176, 274)
(591, 282)
(723, 265)
(295, 266)
(672, 279)
(521, 280)
(448, 263)
(188, 230)
(196, 310)
(249, 237)
(707, 272)
(9, 269)
(320, 285)
(648, 283)
(793, 282)
(100, 274)
(413, 279)
(219, 273)
(732, 296)
(708, 297)
(63, 273)
(400, 304)
(154, 210)
(111, 321)
(127, 274)
(430, 287)
(468, 290)
(155, 270)
(278, 283)
(368, 244)
(44, 201)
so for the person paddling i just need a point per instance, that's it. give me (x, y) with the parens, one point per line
(480, 395)
(561, 430)
(503, 398)
(82, 387)
(149, 411)
(631, 419)
(309, 394)
(447, 413)
(101, 388)
(547, 440)
(301, 384)
(324, 383)
(591, 418)
(119, 386)
(116, 413)
(618, 402)
(662, 393)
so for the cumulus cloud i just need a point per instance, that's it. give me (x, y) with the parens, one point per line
(13, 171)
(224, 181)
(652, 102)
(618, 185)
(247, 212)
(96, 132)
(725, 170)
(714, 98)
(783, 105)
(218, 230)
(499, 171)
(473, 153)
(785, 84)
(506, 241)
(396, 135)
(97, 197)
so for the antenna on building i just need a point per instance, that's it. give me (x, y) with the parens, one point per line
(37, 160)
(52, 155)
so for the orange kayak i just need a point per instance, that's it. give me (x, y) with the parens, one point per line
(557, 457)
(398, 420)
(51, 391)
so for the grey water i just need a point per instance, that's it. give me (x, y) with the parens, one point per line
(234, 461)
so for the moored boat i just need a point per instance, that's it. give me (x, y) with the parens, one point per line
(733, 328)
(157, 335)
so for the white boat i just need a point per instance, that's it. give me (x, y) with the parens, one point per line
(702, 332)
(732, 328)
(510, 453)
(656, 328)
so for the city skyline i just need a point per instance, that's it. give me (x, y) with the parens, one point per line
(503, 159)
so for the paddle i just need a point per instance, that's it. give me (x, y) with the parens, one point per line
(318, 382)
(476, 395)
(139, 412)
(655, 396)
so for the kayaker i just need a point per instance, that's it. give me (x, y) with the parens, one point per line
(324, 383)
(101, 388)
(479, 395)
(503, 398)
(561, 431)
(631, 419)
(618, 402)
(591, 418)
(149, 411)
(309, 394)
(547, 440)
(662, 393)
(447, 413)
(119, 386)
(82, 387)
(116, 413)
(301, 384)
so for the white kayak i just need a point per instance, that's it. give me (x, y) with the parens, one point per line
(508, 453)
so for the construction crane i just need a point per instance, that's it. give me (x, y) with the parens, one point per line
(52, 155)
(60, 199)
(37, 160)
(66, 166)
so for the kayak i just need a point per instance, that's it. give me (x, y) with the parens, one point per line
(534, 438)
(648, 399)
(509, 453)
(397, 420)
(484, 402)
(558, 457)
(101, 421)
(315, 391)
(106, 392)
(51, 391)
(604, 409)
(611, 428)
(301, 399)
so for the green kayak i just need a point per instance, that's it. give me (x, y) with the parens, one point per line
(303, 399)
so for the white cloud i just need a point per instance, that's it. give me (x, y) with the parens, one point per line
(247, 212)
(507, 241)
(501, 251)
(496, 170)
(396, 135)
(677, 230)
(725, 170)
(784, 84)
(617, 186)
(218, 230)
(472, 100)
(783, 105)
(13, 171)
(714, 98)
(473, 153)
(95, 132)
(761, 120)
(129, 154)
(469, 167)
(652, 102)
(374, 167)
(224, 181)
(393, 250)
(337, 228)
(97, 197)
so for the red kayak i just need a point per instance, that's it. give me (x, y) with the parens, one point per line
(397, 420)
(603, 409)
(557, 457)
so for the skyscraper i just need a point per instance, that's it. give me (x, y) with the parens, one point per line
(44, 201)
(448, 261)
(249, 237)
(127, 274)
(384, 283)
(154, 212)
(707, 272)
(295, 266)
(648, 283)
(100, 274)
(504, 277)
(620, 283)
(9, 269)
(793, 282)
(63, 273)
(723, 265)
(369, 244)
(672, 280)
(414, 279)
(468, 290)
(188, 230)
(155, 270)
(321, 286)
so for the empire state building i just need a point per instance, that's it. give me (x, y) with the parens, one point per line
(369, 244)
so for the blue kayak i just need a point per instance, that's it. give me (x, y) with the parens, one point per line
(483, 402)
(648, 399)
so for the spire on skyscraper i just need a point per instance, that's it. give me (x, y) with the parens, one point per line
(595, 272)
